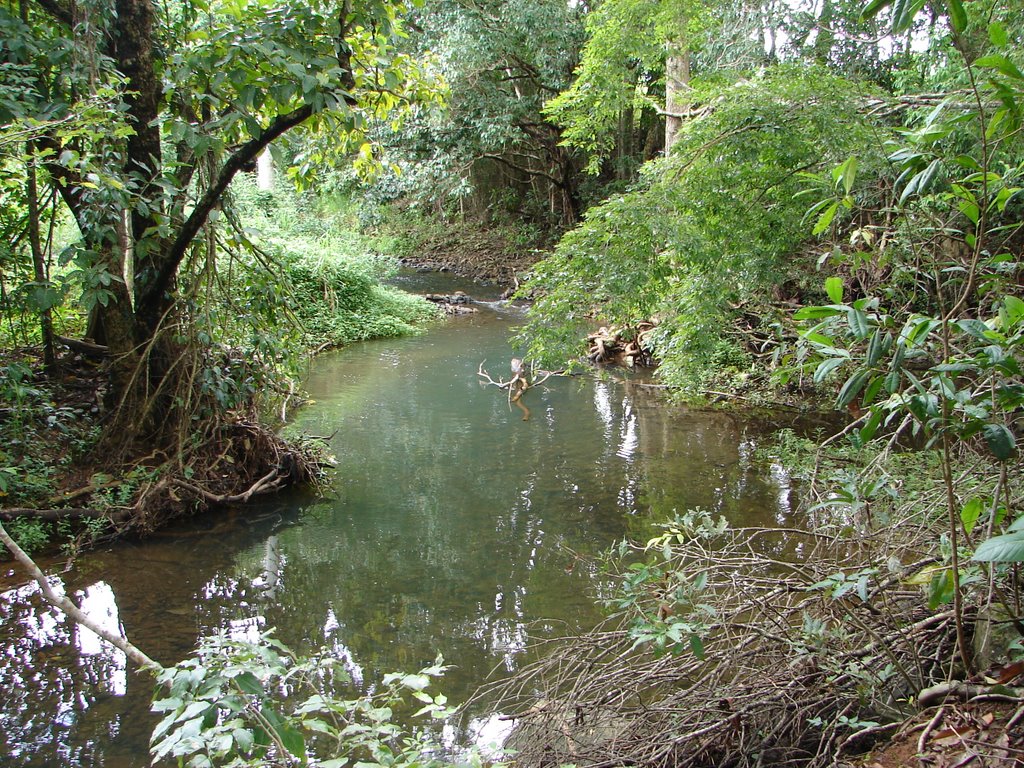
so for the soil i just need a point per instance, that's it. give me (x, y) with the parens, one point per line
(475, 252)
(987, 734)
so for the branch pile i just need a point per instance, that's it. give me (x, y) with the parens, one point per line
(808, 649)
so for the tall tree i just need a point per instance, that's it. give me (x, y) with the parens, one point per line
(204, 87)
(501, 62)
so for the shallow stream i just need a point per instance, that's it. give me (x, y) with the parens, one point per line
(453, 526)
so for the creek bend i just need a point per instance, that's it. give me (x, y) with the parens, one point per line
(450, 528)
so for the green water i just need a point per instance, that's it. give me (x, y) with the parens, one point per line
(451, 527)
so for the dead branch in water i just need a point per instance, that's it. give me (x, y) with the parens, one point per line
(72, 611)
(520, 382)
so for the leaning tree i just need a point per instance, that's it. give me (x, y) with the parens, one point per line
(137, 115)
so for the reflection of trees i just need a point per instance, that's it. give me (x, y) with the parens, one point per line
(446, 534)
(53, 678)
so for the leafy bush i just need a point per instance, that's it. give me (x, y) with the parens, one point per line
(320, 269)
(713, 226)
(237, 703)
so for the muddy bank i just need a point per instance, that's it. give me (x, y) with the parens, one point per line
(488, 255)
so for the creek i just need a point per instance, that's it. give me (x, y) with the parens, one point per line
(453, 526)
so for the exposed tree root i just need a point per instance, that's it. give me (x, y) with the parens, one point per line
(628, 347)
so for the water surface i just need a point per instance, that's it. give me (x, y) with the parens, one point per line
(452, 526)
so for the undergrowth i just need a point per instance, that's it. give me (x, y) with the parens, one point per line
(292, 275)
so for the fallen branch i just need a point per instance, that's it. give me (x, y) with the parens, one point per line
(87, 348)
(64, 513)
(72, 611)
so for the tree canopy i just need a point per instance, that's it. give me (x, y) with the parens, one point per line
(139, 116)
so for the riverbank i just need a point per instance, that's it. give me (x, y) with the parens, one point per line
(500, 254)
(451, 526)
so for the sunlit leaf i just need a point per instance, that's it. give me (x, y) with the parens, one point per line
(970, 513)
(997, 34)
(834, 289)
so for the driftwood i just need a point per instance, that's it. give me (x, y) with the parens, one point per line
(521, 381)
(630, 348)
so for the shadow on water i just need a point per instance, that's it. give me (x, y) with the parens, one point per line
(451, 527)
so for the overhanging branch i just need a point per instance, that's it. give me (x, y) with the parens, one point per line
(241, 157)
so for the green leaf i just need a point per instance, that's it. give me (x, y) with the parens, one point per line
(1008, 548)
(292, 741)
(852, 388)
(917, 330)
(923, 181)
(243, 739)
(970, 513)
(1000, 440)
(975, 328)
(903, 13)
(247, 682)
(862, 587)
(825, 220)
(873, 388)
(834, 289)
(874, 422)
(873, 8)
(957, 15)
(697, 646)
(816, 313)
(940, 589)
(858, 322)
(999, 62)
(997, 35)
(825, 367)
(1014, 311)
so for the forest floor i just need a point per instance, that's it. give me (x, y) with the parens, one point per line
(987, 734)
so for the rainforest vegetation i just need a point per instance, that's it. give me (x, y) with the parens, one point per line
(783, 203)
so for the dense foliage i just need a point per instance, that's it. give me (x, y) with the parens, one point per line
(712, 228)
(836, 211)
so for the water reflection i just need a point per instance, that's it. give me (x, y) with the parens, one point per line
(54, 674)
(452, 527)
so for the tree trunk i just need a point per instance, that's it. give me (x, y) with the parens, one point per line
(677, 86)
(39, 270)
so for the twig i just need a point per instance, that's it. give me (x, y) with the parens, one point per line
(922, 740)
